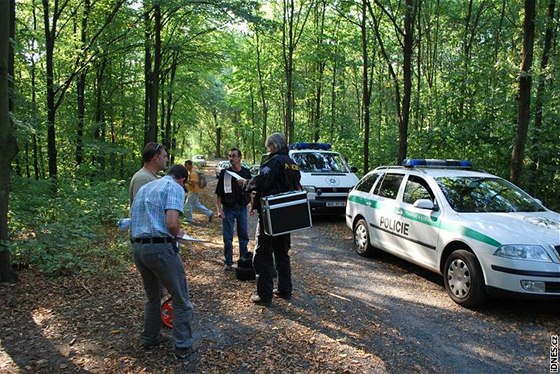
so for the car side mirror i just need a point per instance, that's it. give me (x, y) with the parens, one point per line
(425, 204)
(353, 169)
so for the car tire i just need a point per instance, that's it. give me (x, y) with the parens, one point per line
(463, 279)
(362, 244)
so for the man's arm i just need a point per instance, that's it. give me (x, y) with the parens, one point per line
(172, 222)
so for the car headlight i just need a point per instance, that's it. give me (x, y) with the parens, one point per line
(309, 189)
(523, 252)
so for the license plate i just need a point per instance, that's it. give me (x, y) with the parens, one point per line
(336, 203)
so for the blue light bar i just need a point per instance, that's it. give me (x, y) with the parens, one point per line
(436, 163)
(303, 145)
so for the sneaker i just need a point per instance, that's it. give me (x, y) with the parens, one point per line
(228, 267)
(183, 353)
(282, 295)
(257, 300)
(160, 340)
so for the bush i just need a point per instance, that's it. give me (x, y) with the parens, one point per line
(72, 232)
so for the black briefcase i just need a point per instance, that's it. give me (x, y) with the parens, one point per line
(286, 212)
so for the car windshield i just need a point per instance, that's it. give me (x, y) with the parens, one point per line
(320, 162)
(487, 195)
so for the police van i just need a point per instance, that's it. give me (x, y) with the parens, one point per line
(325, 175)
(483, 234)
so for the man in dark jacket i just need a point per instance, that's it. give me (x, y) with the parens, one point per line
(278, 174)
(231, 205)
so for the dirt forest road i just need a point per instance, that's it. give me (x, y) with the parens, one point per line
(348, 314)
(401, 313)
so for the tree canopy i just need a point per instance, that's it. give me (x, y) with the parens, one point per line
(94, 80)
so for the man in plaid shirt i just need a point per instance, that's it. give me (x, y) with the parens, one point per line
(155, 225)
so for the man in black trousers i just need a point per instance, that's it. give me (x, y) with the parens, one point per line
(278, 174)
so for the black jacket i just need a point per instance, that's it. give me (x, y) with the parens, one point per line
(278, 174)
(236, 196)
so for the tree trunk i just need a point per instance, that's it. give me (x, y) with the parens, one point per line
(155, 77)
(50, 35)
(81, 87)
(262, 91)
(366, 90)
(147, 72)
(320, 69)
(537, 130)
(98, 134)
(34, 99)
(524, 92)
(218, 152)
(407, 79)
(290, 38)
(8, 142)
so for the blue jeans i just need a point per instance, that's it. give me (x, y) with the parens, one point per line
(193, 201)
(160, 265)
(231, 214)
(268, 250)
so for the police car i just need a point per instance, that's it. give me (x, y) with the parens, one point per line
(482, 233)
(325, 175)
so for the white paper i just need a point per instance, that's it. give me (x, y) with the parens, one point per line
(227, 183)
(236, 176)
(188, 238)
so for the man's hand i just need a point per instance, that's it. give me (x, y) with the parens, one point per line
(180, 233)
(241, 182)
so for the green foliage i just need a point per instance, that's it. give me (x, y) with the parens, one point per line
(71, 231)
(463, 101)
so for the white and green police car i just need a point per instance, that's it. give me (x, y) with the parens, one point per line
(482, 233)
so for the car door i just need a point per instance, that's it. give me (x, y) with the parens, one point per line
(421, 232)
(385, 225)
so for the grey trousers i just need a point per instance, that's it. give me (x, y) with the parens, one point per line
(160, 265)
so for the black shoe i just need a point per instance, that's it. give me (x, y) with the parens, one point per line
(183, 353)
(282, 295)
(228, 267)
(160, 340)
(257, 300)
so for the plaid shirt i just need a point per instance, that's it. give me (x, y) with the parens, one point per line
(147, 215)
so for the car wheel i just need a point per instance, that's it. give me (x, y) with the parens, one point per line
(361, 239)
(463, 279)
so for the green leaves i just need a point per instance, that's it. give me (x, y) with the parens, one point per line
(67, 233)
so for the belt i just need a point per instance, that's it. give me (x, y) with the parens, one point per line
(165, 239)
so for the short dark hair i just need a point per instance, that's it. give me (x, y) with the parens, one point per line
(235, 149)
(188, 162)
(151, 150)
(178, 171)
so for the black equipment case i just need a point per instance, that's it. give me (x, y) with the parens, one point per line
(286, 212)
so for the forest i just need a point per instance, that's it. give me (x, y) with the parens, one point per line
(86, 83)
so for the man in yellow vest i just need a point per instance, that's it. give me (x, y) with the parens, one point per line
(193, 198)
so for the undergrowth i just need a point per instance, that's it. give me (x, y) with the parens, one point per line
(70, 231)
